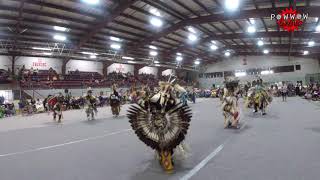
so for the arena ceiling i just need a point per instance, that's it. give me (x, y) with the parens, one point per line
(137, 30)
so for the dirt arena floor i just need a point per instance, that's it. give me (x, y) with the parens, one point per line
(283, 145)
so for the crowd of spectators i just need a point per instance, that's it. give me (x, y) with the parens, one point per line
(49, 79)
(4, 76)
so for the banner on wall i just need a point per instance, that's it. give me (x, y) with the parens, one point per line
(39, 63)
(119, 68)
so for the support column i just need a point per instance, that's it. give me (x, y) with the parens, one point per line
(13, 64)
(106, 64)
(64, 66)
(160, 70)
(137, 67)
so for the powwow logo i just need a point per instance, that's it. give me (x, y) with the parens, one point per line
(290, 19)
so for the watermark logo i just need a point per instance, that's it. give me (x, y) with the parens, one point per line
(290, 19)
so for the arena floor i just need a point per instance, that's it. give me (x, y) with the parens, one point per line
(284, 144)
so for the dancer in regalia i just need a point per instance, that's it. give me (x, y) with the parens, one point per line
(161, 121)
(230, 106)
(258, 97)
(115, 102)
(91, 105)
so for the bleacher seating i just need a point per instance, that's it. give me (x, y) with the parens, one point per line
(49, 79)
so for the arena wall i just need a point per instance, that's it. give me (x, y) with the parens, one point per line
(86, 66)
(39, 63)
(148, 70)
(5, 62)
(123, 68)
(308, 66)
(168, 72)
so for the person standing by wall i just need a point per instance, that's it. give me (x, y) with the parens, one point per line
(284, 92)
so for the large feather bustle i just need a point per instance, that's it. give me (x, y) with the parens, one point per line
(178, 117)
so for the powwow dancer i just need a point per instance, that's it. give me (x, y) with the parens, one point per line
(230, 106)
(161, 122)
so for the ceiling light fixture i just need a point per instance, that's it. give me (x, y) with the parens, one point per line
(251, 29)
(156, 22)
(231, 4)
(213, 47)
(192, 37)
(59, 37)
(179, 58)
(153, 53)
(197, 62)
(311, 43)
(115, 46)
(155, 12)
(47, 54)
(115, 39)
(131, 62)
(260, 43)
(89, 53)
(127, 58)
(179, 54)
(156, 62)
(266, 51)
(153, 47)
(192, 30)
(93, 2)
(93, 56)
(41, 48)
(305, 52)
(227, 54)
(59, 28)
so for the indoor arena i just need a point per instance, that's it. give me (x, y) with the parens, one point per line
(159, 89)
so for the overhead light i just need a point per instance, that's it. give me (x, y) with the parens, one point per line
(231, 4)
(311, 43)
(252, 21)
(179, 58)
(93, 57)
(158, 65)
(316, 19)
(240, 74)
(192, 30)
(260, 43)
(213, 47)
(47, 54)
(155, 12)
(192, 37)
(153, 53)
(93, 2)
(251, 29)
(305, 52)
(266, 51)
(318, 28)
(41, 48)
(179, 54)
(213, 42)
(153, 47)
(115, 46)
(227, 53)
(127, 58)
(59, 28)
(59, 37)
(156, 22)
(89, 53)
(132, 62)
(197, 62)
(156, 62)
(115, 39)
(266, 72)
